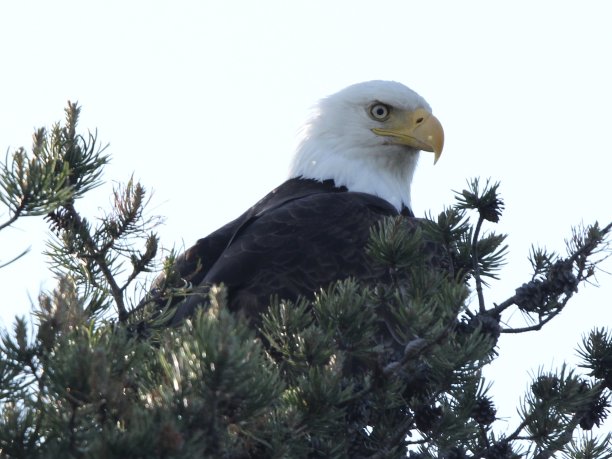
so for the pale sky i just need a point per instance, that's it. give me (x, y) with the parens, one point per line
(201, 101)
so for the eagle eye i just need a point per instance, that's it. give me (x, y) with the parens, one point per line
(379, 111)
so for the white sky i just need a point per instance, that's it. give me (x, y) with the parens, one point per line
(201, 102)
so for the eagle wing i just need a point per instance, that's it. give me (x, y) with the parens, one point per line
(289, 248)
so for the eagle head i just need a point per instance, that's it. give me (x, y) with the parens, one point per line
(367, 137)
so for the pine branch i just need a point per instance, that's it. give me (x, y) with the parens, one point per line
(535, 327)
(32, 185)
(91, 252)
(61, 167)
(563, 439)
(559, 280)
(93, 255)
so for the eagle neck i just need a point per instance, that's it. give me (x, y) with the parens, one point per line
(386, 173)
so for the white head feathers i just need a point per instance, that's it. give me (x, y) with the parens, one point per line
(338, 142)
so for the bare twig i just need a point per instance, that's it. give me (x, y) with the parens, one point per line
(476, 265)
(15, 258)
(537, 326)
(11, 220)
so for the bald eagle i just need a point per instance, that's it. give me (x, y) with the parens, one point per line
(353, 167)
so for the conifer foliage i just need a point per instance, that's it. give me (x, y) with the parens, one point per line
(385, 370)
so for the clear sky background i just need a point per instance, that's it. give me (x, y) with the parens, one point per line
(201, 101)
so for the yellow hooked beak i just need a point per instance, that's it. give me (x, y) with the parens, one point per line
(417, 129)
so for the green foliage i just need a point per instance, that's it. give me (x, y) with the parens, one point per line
(588, 447)
(596, 351)
(63, 166)
(487, 202)
(387, 369)
(93, 255)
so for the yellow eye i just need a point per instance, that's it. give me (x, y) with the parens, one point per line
(379, 112)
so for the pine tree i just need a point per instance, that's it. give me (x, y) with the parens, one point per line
(388, 370)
